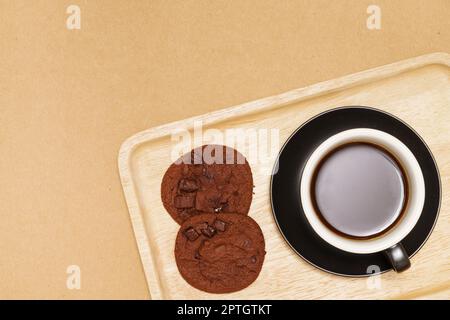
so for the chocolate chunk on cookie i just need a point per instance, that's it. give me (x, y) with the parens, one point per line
(209, 179)
(219, 225)
(209, 231)
(191, 234)
(225, 256)
(188, 185)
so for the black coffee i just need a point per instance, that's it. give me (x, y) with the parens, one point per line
(359, 190)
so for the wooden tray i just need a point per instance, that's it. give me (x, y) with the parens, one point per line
(416, 90)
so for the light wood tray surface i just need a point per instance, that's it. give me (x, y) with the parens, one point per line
(416, 90)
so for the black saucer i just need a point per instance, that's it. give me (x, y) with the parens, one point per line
(285, 189)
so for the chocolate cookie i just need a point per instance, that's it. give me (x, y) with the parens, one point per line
(209, 179)
(220, 253)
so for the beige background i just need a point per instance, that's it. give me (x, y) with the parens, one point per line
(69, 98)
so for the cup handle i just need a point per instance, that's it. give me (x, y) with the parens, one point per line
(398, 257)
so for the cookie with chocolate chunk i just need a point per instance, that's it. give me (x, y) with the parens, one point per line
(220, 253)
(209, 179)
